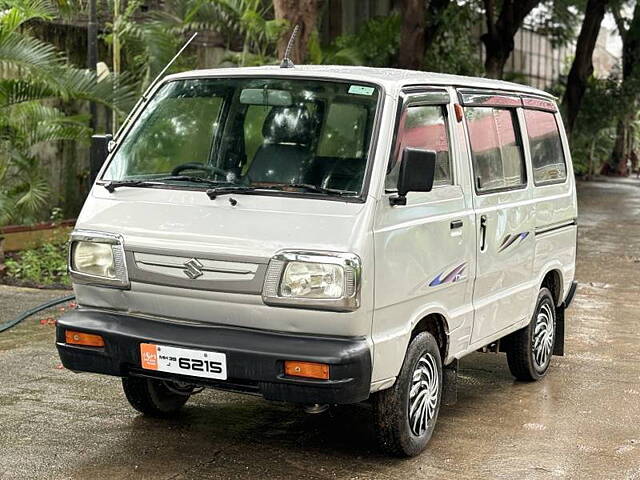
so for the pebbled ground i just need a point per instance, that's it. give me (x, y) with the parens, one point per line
(582, 421)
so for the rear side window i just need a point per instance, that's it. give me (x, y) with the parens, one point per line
(547, 155)
(496, 148)
(423, 127)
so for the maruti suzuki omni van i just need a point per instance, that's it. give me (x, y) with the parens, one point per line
(325, 235)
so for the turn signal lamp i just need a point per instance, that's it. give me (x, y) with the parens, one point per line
(307, 369)
(459, 112)
(85, 339)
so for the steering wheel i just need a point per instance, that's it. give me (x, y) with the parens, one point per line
(198, 166)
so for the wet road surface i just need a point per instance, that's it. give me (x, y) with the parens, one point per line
(581, 421)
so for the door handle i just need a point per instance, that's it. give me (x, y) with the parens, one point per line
(483, 233)
(456, 224)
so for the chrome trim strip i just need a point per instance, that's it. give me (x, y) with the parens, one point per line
(223, 257)
(554, 227)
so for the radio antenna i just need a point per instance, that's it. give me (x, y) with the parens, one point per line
(145, 95)
(286, 61)
(175, 57)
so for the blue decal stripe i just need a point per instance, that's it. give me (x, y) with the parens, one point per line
(453, 276)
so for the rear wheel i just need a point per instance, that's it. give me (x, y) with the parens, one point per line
(529, 350)
(156, 398)
(405, 414)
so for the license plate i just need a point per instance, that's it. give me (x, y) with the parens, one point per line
(184, 361)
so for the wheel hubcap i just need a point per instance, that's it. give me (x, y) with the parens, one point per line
(423, 396)
(542, 338)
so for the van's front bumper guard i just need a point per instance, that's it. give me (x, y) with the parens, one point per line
(254, 358)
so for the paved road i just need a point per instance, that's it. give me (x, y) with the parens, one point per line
(582, 421)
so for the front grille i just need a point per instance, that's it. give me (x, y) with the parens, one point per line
(198, 271)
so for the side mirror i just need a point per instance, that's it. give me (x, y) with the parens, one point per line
(417, 172)
(101, 145)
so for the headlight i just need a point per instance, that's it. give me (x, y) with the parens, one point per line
(97, 258)
(94, 259)
(319, 280)
(312, 280)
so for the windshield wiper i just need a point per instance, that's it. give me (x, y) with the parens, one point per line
(221, 189)
(187, 178)
(112, 185)
(314, 188)
(227, 189)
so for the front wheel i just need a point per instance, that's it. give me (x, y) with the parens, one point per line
(155, 398)
(529, 350)
(405, 415)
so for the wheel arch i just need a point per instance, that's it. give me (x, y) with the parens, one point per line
(552, 279)
(437, 325)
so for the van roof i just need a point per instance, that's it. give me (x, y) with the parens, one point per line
(390, 78)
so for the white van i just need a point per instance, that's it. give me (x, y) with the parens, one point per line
(325, 235)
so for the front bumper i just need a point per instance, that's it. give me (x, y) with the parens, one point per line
(254, 358)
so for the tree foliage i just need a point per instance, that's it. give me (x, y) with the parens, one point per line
(452, 49)
(594, 134)
(34, 76)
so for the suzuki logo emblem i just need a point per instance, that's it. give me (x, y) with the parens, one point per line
(193, 268)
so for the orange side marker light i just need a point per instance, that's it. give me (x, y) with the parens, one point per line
(306, 369)
(459, 112)
(85, 339)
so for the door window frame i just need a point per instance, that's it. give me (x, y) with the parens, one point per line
(554, 112)
(418, 96)
(511, 102)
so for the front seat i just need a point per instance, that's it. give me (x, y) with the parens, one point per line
(286, 152)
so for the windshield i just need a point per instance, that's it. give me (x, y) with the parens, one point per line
(296, 135)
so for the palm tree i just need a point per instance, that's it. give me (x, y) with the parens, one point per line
(34, 78)
(250, 23)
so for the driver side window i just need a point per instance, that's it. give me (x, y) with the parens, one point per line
(424, 127)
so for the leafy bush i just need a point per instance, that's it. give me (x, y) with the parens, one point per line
(45, 265)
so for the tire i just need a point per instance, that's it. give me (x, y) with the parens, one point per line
(155, 398)
(529, 350)
(398, 433)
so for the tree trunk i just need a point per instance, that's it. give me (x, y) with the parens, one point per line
(617, 164)
(499, 39)
(297, 12)
(591, 171)
(497, 56)
(412, 34)
(582, 67)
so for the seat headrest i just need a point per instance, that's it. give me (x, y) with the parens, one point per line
(289, 125)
